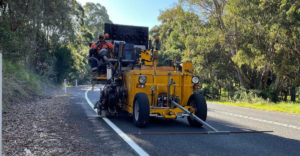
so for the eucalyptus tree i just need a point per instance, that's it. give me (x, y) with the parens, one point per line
(95, 17)
(252, 44)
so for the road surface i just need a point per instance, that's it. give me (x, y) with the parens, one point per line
(176, 137)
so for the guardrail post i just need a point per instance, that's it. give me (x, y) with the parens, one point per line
(65, 85)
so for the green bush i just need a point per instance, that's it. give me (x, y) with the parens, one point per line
(250, 96)
(210, 92)
(269, 94)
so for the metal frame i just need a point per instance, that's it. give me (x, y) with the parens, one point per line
(213, 130)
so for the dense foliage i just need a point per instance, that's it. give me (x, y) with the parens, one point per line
(47, 38)
(239, 48)
(250, 46)
(50, 37)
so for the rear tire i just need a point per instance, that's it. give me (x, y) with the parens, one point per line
(199, 104)
(141, 110)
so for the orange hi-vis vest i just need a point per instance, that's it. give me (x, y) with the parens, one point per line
(104, 44)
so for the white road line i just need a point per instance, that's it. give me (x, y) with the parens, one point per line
(128, 140)
(259, 120)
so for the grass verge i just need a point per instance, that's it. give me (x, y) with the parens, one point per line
(287, 107)
(18, 83)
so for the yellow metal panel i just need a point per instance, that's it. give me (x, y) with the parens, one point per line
(187, 67)
(187, 89)
(146, 56)
(101, 77)
(159, 79)
(165, 112)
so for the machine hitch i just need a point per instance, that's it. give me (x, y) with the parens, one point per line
(213, 130)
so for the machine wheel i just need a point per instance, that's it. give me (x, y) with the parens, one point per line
(199, 104)
(141, 110)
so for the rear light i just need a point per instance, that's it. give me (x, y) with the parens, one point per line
(138, 85)
(196, 87)
(162, 100)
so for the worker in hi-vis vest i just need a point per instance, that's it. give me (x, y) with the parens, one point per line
(98, 50)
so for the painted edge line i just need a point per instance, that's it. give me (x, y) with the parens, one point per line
(126, 138)
(259, 120)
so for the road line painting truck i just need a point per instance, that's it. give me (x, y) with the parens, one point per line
(133, 81)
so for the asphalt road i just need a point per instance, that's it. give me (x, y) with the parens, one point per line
(176, 137)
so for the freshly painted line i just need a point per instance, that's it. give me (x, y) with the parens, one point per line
(126, 138)
(89, 101)
(259, 120)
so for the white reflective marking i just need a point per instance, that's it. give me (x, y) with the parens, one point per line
(126, 138)
(260, 120)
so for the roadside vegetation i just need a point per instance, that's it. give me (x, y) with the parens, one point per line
(287, 107)
(248, 50)
(18, 84)
(238, 48)
(250, 99)
(46, 42)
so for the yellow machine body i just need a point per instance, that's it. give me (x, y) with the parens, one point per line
(157, 83)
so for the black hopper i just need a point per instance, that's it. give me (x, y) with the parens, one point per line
(130, 34)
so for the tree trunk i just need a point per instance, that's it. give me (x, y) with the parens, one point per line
(245, 82)
(264, 78)
(277, 85)
(293, 94)
(285, 95)
(219, 11)
(231, 90)
(220, 92)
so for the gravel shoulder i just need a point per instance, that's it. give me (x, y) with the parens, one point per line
(40, 127)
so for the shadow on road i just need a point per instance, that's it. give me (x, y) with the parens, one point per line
(186, 141)
(184, 144)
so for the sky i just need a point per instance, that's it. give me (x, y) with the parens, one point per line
(134, 12)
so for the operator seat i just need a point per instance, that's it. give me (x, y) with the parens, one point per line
(102, 63)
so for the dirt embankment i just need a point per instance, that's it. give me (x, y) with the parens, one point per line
(40, 127)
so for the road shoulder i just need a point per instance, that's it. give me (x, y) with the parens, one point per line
(39, 127)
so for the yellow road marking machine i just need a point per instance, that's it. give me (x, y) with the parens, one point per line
(133, 81)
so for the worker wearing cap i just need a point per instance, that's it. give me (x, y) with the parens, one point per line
(99, 49)
(102, 44)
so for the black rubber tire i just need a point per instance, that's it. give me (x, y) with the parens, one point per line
(141, 110)
(199, 103)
